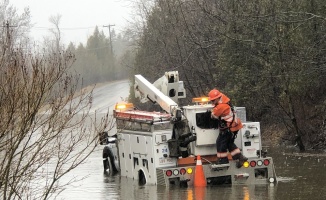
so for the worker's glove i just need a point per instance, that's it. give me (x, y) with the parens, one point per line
(213, 116)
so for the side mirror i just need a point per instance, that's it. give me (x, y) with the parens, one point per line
(111, 139)
(103, 136)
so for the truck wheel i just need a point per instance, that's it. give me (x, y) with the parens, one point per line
(141, 178)
(107, 164)
(108, 161)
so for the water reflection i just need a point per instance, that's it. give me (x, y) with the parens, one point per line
(299, 177)
(124, 188)
(246, 193)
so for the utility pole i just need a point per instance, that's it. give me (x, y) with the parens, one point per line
(109, 26)
(7, 43)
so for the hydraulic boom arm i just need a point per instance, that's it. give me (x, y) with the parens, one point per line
(146, 90)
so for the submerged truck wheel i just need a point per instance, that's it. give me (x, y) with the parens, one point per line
(141, 178)
(108, 161)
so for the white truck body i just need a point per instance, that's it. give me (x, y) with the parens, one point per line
(149, 143)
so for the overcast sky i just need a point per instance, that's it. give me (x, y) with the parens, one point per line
(79, 17)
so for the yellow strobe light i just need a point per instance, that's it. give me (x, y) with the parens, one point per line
(189, 170)
(246, 164)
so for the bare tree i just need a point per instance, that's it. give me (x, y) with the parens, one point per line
(56, 43)
(46, 129)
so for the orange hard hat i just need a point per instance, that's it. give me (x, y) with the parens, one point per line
(214, 94)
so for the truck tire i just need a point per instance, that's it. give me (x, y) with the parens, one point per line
(141, 178)
(108, 169)
(108, 161)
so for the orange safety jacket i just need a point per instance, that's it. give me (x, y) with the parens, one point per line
(225, 112)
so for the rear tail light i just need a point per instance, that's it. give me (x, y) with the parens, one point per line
(182, 171)
(266, 162)
(168, 173)
(252, 163)
(175, 172)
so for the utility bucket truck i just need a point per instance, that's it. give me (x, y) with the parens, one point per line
(161, 147)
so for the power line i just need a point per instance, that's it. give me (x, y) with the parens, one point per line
(66, 28)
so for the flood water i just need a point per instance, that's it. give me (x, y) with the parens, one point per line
(300, 176)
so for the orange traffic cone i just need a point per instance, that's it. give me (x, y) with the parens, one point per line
(200, 179)
(200, 193)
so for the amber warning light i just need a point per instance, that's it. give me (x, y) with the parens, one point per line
(124, 106)
(200, 100)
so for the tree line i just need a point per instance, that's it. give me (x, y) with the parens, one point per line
(100, 60)
(267, 55)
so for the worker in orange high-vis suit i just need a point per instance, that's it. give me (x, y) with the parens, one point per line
(229, 125)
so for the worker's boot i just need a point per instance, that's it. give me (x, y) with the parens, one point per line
(220, 164)
(221, 161)
(240, 159)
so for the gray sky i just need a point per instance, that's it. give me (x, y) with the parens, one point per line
(79, 17)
